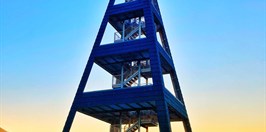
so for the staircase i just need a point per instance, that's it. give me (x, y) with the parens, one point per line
(133, 34)
(131, 73)
(134, 127)
(144, 123)
(132, 79)
(132, 31)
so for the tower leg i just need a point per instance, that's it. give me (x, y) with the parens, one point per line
(187, 126)
(163, 116)
(69, 120)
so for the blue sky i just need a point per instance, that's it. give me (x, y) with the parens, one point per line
(218, 49)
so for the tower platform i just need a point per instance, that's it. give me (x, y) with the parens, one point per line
(107, 105)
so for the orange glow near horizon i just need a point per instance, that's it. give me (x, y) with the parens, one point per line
(212, 119)
(218, 48)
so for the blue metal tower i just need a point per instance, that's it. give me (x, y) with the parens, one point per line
(137, 59)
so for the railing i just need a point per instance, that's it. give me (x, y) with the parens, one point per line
(134, 127)
(117, 37)
(143, 118)
(133, 31)
(131, 74)
(116, 80)
(129, 0)
(123, 1)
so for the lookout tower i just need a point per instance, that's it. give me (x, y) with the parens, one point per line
(137, 59)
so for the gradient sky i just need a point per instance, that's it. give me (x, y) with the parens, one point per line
(218, 48)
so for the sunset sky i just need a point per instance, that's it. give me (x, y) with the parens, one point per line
(218, 47)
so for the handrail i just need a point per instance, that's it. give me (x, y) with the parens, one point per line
(131, 77)
(129, 31)
(133, 126)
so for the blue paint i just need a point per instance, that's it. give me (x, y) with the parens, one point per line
(106, 105)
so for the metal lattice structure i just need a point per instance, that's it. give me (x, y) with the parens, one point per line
(135, 56)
